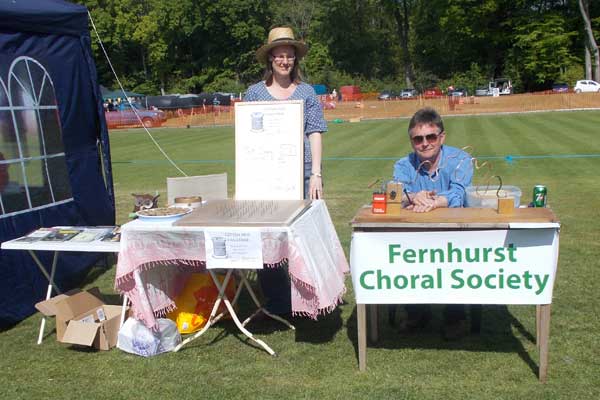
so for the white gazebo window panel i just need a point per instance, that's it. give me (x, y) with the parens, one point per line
(11, 174)
(38, 134)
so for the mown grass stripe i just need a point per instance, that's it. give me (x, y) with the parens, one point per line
(507, 158)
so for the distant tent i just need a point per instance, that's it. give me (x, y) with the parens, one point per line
(320, 89)
(162, 102)
(219, 99)
(54, 142)
(186, 101)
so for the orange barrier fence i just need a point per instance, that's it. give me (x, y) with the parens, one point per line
(374, 109)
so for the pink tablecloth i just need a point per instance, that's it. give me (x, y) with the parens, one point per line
(156, 258)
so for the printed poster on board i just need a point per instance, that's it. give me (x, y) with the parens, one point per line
(269, 150)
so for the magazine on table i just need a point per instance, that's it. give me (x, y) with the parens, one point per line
(62, 234)
(89, 234)
(36, 235)
(113, 236)
(81, 234)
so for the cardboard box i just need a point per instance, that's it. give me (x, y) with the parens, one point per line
(83, 318)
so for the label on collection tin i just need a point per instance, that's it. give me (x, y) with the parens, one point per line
(379, 205)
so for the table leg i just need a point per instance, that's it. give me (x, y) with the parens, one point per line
(373, 323)
(41, 267)
(123, 309)
(361, 322)
(544, 335)
(244, 330)
(538, 310)
(222, 297)
(232, 311)
(260, 308)
(49, 290)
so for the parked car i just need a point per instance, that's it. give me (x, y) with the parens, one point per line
(432, 93)
(459, 92)
(587, 86)
(125, 116)
(408, 93)
(387, 95)
(560, 88)
(500, 86)
(482, 91)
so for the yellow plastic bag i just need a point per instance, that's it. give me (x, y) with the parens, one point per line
(196, 301)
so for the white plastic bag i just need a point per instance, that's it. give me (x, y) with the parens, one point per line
(136, 338)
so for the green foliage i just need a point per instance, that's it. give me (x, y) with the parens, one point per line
(318, 64)
(571, 74)
(542, 49)
(146, 87)
(184, 45)
(425, 79)
(224, 82)
(473, 78)
(359, 39)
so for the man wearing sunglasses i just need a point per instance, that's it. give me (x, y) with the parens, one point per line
(434, 175)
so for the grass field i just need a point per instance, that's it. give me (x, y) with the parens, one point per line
(319, 360)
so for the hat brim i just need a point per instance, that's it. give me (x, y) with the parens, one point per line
(263, 52)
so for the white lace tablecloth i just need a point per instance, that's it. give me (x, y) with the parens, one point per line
(156, 258)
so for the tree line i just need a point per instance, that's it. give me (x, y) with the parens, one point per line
(193, 46)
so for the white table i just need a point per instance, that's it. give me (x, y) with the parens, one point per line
(318, 259)
(141, 228)
(57, 247)
(402, 245)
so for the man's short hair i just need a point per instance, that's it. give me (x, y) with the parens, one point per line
(426, 116)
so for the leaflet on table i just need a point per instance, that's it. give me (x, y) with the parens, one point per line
(90, 234)
(113, 236)
(233, 248)
(35, 235)
(73, 234)
(61, 234)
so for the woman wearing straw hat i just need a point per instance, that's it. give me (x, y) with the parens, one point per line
(283, 81)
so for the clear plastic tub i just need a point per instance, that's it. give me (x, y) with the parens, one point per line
(487, 196)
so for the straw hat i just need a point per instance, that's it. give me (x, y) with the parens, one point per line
(281, 36)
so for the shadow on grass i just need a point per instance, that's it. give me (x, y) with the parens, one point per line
(496, 334)
(102, 266)
(7, 326)
(306, 330)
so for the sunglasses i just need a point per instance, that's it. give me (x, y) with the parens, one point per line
(430, 137)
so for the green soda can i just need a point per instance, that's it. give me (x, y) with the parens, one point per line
(540, 196)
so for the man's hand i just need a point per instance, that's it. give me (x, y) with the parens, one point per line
(425, 201)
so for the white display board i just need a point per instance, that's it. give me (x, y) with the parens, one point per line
(269, 150)
(464, 267)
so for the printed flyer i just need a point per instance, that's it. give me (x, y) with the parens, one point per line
(233, 248)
